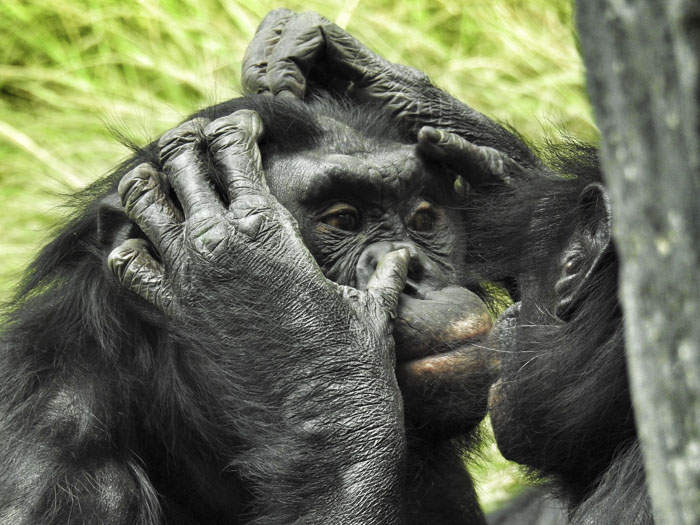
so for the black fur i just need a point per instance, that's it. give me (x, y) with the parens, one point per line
(109, 415)
(563, 406)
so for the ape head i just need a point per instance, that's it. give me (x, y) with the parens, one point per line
(359, 188)
(126, 413)
(561, 405)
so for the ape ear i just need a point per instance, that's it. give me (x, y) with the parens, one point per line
(113, 225)
(586, 246)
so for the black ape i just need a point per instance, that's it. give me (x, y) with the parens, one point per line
(562, 404)
(265, 392)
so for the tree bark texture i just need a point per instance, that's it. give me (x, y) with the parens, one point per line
(643, 75)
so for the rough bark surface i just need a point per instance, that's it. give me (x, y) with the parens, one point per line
(643, 62)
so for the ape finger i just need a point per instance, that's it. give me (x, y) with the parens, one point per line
(139, 272)
(254, 68)
(300, 46)
(233, 143)
(479, 165)
(389, 279)
(309, 38)
(354, 61)
(148, 206)
(188, 176)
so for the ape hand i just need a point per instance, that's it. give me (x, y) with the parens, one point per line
(202, 241)
(288, 48)
(307, 366)
(480, 167)
(210, 244)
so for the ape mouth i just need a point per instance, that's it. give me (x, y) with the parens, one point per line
(444, 366)
(437, 326)
(448, 363)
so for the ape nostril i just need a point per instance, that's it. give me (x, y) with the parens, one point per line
(413, 289)
(416, 268)
(368, 261)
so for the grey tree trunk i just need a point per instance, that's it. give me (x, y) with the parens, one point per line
(643, 62)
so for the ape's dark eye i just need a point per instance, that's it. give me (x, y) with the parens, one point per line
(342, 216)
(423, 219)
(572, 262)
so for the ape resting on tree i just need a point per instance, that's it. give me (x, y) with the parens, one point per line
(189, 350)
(562, 405)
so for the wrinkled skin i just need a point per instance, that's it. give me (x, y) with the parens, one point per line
(346, 349)
(290, 52)
(562, 404)
(397, 201)
(235, 384)
(355, 200)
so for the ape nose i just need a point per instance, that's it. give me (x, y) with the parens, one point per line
(423, 273)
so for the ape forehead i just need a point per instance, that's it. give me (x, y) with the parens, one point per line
(390, 167)
(390, 170)
(345, 153)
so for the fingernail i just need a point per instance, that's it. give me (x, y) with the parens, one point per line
(461, 186)
(430, 134)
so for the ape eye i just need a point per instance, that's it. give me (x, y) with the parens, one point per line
(342, 216)
(423, 219)
(572, 263)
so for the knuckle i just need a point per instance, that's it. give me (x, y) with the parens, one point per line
(415, 75)
(276, 15)
(224, 127)
(184, 135)
(254, 71)
(252, 80)
(238, 128)
(311, 17)
(136, 183)
(121, 258)
(253, 226)
(352, 294)
(251, 204)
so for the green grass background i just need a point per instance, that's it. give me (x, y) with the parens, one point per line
(71, 69)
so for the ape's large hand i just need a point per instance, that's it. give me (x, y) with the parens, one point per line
(250, 242)
(288, 47)
(311, 361)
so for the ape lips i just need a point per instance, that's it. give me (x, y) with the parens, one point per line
(442, 369)
(435, 331)
(503, 337)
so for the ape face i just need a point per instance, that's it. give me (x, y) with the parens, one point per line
(356, 198)
(562, 404)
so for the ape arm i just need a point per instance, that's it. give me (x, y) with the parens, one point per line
(289, 48)
(326, 443)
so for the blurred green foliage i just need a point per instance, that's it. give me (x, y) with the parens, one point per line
(72, 69)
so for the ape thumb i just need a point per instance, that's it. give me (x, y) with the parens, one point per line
(389, 279)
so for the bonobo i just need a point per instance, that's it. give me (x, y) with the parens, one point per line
(562, 405)
(256, 391)
(210, 373)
